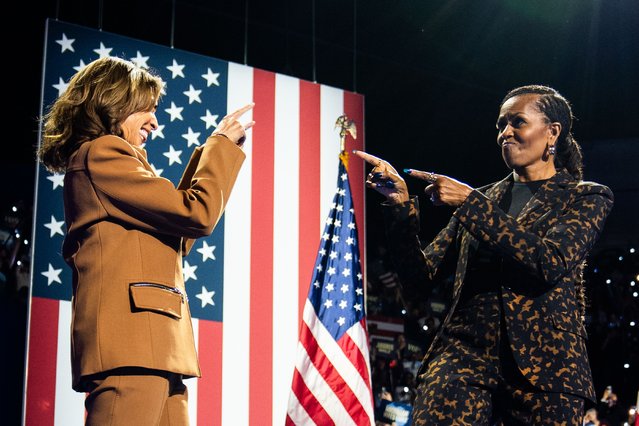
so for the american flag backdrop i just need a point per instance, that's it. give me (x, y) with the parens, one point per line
(248, 282)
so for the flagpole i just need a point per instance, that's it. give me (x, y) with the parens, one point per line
(346, 126)
(333, 348)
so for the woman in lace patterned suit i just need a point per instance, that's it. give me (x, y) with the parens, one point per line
(511, 348)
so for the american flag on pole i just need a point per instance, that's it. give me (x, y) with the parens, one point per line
(332, 381)
(247, 283)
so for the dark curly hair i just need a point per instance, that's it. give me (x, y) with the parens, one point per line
(556, 108)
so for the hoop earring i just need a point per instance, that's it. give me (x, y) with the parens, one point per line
(551, 150)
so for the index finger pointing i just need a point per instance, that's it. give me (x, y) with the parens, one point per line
(370, 159)
(239, 112)
(429, 177)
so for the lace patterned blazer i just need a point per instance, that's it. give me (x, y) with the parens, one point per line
(543, 252)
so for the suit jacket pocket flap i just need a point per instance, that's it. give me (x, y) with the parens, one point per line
(157, 298)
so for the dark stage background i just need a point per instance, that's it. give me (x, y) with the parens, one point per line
(432, 73)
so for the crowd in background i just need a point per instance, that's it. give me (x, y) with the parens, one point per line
(612, 322)
(15, 236)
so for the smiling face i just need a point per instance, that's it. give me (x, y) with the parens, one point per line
(525, 135)
(137, 127)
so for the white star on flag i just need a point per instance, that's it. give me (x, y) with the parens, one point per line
(57, 179)
(210, 119)
(206, 251)
(175, 112)
(206, 297)
(158, 133)
(193, 94)
(61, 86)
(176, 69)
(53, 275)
(156, 170)
(211, 78)
(103, 51)
(55, 226)
(80, 66)
(173, 155)
(66, 43)
(189, 271)
(191, 137)
(140, 60)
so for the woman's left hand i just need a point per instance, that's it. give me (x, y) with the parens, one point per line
(443, 190)
(384, 179)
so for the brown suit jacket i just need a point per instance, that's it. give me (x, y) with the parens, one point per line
(543, 251)
(128, 230)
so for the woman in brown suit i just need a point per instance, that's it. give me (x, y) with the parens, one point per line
(511, 348)
(127, 231)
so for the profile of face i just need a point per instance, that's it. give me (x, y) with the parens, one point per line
(137, 127)
(524, 134)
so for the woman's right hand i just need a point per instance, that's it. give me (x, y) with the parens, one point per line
(385, 179)
(231, 127)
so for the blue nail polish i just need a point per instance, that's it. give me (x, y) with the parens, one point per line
(408, 171)
(390, 184)
(377, 175)
(379, 185)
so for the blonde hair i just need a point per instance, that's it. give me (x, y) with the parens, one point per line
(97, 100)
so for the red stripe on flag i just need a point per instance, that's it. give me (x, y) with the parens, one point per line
(209, 386)
(309, 192)
(261, 303)
(351, 350)
(307, 400)
(354, 109)
(334, 380)
(43, 334)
